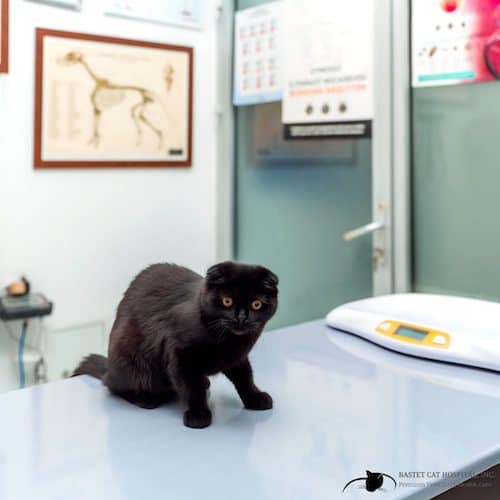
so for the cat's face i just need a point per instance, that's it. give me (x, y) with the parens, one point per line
(239, 298)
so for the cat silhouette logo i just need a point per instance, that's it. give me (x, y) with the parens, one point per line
(373, 481)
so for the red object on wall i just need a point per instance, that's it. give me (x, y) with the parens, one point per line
(449, 5)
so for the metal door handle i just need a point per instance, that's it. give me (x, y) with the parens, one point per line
(361, 231)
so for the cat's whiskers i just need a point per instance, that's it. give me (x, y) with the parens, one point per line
(219, 329)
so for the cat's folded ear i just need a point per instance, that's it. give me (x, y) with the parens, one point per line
(216, 275)
(269, 280)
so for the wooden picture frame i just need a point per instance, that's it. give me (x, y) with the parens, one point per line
(4, 36)
(111, 102)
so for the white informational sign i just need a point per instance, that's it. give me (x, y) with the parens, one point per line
(328, 68)
(257, 61)
(185, 13)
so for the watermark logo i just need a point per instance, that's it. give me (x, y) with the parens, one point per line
(373, 481)
(446, 479)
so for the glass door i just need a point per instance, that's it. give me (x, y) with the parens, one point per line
(294, 201)
(456, 202)
(456, 177)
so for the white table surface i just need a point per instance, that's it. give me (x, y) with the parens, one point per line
(342, 405)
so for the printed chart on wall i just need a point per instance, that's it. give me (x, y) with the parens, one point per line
(185, 13)
(69, 4)
(455, 41)
(104, 101)
(257, 60)
(328, 68)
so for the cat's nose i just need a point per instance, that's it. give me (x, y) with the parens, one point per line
(242, 317)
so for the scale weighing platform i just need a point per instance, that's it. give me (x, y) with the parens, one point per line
(443, 328)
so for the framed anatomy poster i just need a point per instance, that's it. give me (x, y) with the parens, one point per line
(111, 102)
(4, 36)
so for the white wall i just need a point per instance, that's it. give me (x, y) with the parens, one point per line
(81, 235)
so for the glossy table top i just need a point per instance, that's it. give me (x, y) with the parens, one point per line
(342, 406)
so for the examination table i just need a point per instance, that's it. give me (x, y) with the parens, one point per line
(341, 406)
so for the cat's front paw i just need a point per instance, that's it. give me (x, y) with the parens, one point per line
(197, 419)
(258, 401)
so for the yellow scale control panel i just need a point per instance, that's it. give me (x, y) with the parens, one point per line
(405, 332)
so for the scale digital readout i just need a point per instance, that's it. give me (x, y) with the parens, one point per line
(411, 333)
(439, 327)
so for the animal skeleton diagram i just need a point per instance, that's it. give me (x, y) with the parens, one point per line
(107, 94)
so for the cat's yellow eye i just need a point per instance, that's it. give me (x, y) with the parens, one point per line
(227, 301)
(256, 305)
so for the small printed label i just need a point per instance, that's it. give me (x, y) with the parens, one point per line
(328, 130)
(175, 152)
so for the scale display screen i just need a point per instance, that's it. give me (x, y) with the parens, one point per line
(412, 333)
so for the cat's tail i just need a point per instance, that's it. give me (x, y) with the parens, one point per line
(94, 365)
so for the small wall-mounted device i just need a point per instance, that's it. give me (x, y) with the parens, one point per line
(443, 328)
(25, 307)
(28, 306)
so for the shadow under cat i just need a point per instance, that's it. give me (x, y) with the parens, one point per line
(199, 461)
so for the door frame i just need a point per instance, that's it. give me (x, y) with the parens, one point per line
(225, 174)
(382, 164)
(391, 202)
(401, 146)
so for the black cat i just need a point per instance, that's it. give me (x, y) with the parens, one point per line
(173, 328)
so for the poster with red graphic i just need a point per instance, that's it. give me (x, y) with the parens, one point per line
(455, 42)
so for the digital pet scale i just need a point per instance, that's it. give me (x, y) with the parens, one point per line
(439, 327)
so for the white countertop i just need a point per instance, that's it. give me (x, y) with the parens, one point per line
(342, 406)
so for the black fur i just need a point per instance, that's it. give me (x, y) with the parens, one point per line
(94, 364)
(172, 330)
